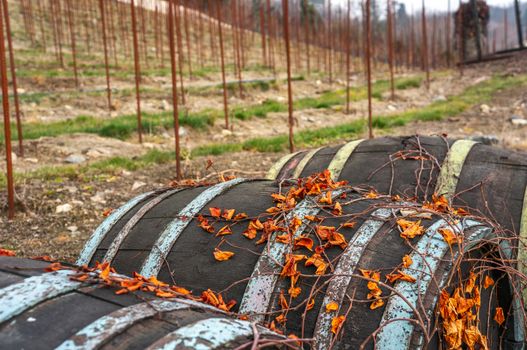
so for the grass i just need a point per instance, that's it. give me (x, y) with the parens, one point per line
(120, 127)
(124, 126)
(472, 96)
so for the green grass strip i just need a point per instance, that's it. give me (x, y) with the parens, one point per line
(122, 127)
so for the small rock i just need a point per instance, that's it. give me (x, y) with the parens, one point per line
(93, 153)
(439, 98)
(63, 208)
(31, 160)
(68, 107)
(137, 184)
(484, 108)
(165, 105)
(75, 159)
(21, 91)
(517, 120)
(71, 189)
(72, 228)
(31, 319)
(14, 157)
(226, 132)
(126, 173)
(391, 108)
(149, 145)
(318, 82)
(98, 198)
(182, 131)
(77, 202)
(310, 119)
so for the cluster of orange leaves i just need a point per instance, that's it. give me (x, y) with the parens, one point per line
(7, 252)
(322, 186)
(459, 312)
(106, 275)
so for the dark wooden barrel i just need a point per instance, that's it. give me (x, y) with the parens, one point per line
(158, 234)
(50, 311)
(485, 178)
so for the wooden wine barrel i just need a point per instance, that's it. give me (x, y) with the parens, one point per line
(50, 311)
(484, 178)
(157, 234)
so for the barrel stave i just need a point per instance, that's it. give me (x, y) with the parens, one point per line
(47, 325)
(493, 181)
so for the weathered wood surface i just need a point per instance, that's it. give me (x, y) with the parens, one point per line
(93, 317)
(374, 244)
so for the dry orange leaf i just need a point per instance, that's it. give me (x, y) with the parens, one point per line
(222, 255)
(250, 233)
(349, 224)
(215, 212)
(488, 282)
(498, 316)
(337, 239)
(410, 229)
(283, 301)
(310, 304)
(305, 242)
(337, 209)
(332, 306)
(399, 275)
(313, 218)
(228, 214)
(469, 286)
(323, 232)
(449, 236)
(326, 198)
(407, 261)
(205, 225)
(376, 304)
(225, 230)
(277, 197)
(285, 238)
(372, 194)
(281, 318)
(318, 261)
(7, 252)
(294, 291)
(290, 265)
(336, 323)
(240, 216)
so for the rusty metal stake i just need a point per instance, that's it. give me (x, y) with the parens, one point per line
(137, 73)
(425, 47)
(285, 9)
(13, 78)
(106, 66)
(220, 30)
(348, 54)
(73, 44)
(368, 66)
(7, 127)
(390, 47)
(173, 65)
